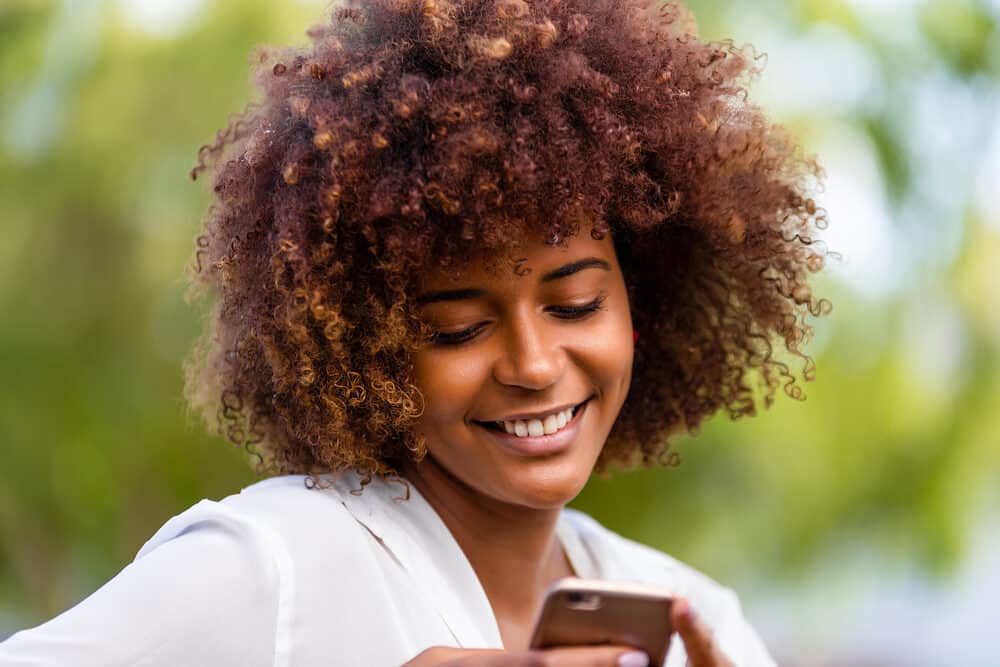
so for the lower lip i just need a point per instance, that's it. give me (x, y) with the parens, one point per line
(541, 445)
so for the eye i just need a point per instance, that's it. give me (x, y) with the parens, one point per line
(457, 337)
(562, 312)
(579, 312)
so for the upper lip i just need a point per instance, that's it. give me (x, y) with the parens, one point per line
(525, 416)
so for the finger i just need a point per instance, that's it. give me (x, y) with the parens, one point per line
(577, 656)
(446, 655)
(595, 656)
(586, 656)
(701, 649)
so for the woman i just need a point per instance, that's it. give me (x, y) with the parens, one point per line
(465, 253)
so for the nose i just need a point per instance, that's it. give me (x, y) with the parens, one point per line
(531, 357)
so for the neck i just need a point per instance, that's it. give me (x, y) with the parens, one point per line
(504, 543)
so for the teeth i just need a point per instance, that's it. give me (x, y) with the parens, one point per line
(550, 425)
(536, 427)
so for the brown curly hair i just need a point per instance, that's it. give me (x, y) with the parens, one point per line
(414, 132)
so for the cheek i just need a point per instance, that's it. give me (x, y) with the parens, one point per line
(450, 382)
(607, 352)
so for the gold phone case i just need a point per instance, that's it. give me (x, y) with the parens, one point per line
(588, 612)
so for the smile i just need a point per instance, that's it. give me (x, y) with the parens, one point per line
(544, 425)
(543, 435)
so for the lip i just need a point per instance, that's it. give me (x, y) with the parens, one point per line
(540, 445)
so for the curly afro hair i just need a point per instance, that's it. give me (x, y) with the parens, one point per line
(411, 133)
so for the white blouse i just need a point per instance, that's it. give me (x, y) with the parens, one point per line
(283, 575)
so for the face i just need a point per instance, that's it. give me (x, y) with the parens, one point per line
(545, 353)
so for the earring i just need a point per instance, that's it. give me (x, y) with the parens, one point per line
(635, 335)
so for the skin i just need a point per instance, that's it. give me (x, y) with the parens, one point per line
(525, 354)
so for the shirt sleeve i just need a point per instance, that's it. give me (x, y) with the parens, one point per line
(206, 589)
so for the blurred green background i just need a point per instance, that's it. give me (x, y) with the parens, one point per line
(848, 522)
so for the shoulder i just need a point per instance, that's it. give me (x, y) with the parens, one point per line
(272, 575)
(227, 559)
(279, 518)
(618, 558)
(275, 500)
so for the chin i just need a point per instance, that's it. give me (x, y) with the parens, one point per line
(548, 487)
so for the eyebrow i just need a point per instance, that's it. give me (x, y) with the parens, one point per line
(450, 295)
(574, 267)
(476, 292)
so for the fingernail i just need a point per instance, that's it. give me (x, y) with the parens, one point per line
(633, 659)
(688, 611)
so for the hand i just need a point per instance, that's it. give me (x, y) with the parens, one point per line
(697, 637)
(584, 656)
(701, 649)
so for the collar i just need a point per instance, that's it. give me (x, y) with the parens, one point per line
(422, 544)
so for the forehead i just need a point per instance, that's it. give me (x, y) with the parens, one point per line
(527, 262)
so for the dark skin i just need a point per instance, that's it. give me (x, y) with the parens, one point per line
(516, 345)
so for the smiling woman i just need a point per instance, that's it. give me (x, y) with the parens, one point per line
(464, 254)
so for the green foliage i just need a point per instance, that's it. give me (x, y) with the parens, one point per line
(960, 32)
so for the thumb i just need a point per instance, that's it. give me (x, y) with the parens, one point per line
(590, 656)
(446, 655)
(577, 656)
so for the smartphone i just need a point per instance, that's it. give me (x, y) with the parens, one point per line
(579, 612)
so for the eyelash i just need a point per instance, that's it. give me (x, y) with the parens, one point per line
(562, 312)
